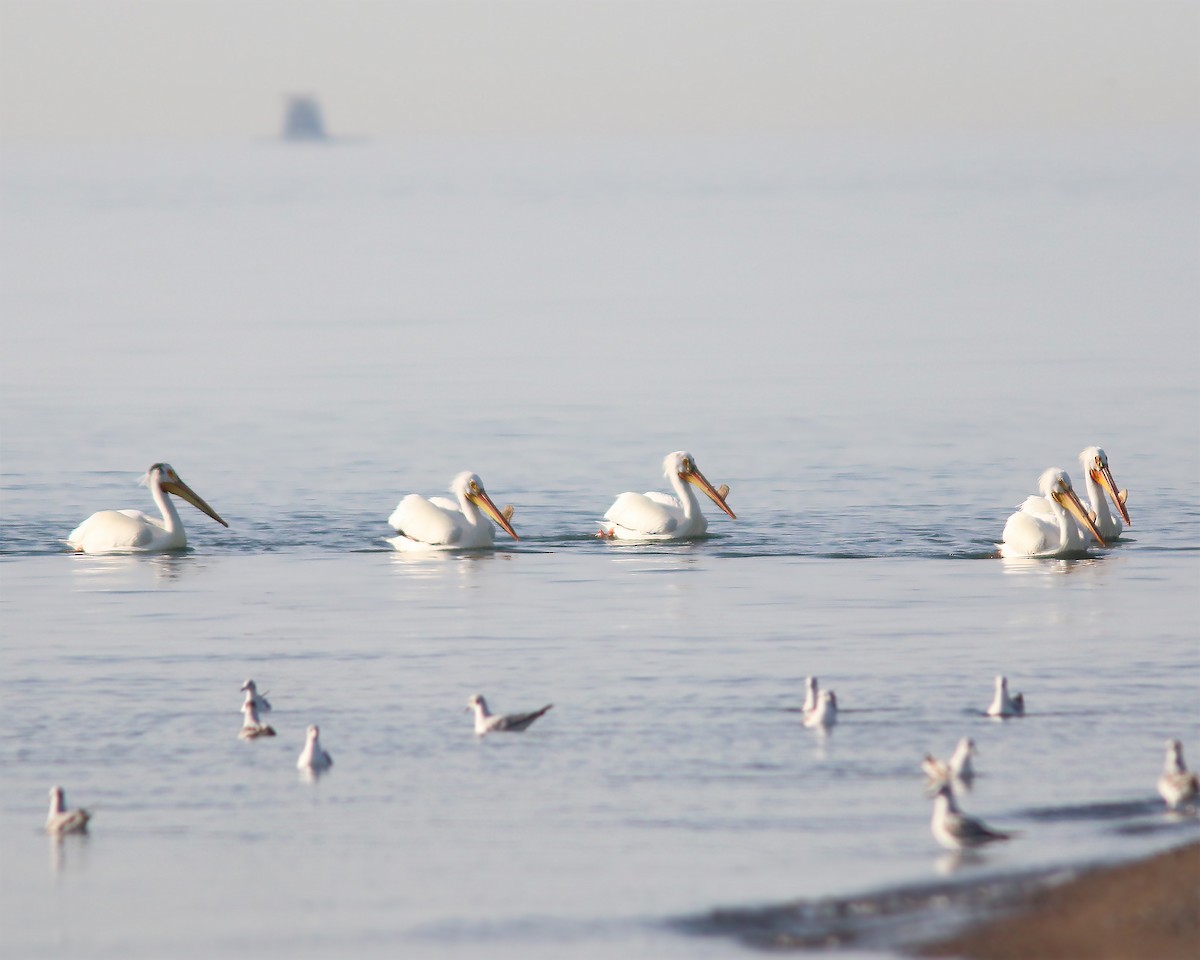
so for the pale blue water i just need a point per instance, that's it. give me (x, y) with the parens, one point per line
(878, 345)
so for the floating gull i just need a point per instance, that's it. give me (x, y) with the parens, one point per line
(811, 689)
(131, 531)
(60, 820)
(314, 757)
(659, 516)
(1002, 704)
(487, 722)
(953, 829)
(251, 726)
(439, 523)
(958, 767)
(260, 701)
(1177, 785)
(824, 715)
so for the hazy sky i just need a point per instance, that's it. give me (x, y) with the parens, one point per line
(220, 67)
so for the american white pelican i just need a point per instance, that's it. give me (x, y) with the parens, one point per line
(958, 767)
(314, 757)
(250, 688)
(442, 524)
(1177, 785)
(953, 829)
(659, 516)
(824, 715)
(1099, 480)
(131, 531)
(1049, 531)
(1002, 704)
(488, 722)
(252, 727)
(60, 820)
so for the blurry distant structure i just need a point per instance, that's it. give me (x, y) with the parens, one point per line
(303, 119)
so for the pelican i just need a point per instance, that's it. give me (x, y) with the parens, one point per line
(659, 516)
(958, 767)
(488, 722)
(314, 757)
(1002, 704)
(442, 524)
(60, 820)
(1049, 531)
(1098, 480)
(131, 531)
(1177, 785)
(953, 829)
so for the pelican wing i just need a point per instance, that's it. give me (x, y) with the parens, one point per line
(428, 522)
(1027, 534)
(645, 513)
(112, 530)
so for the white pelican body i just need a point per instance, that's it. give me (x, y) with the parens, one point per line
(60, 820)
(1098, 480)
(1002, 704)
(1049, 530)
(314, 757)
(824, 715)
(1177, 785)
(131, 531)
(488, 722)
(659, 516)
(958, 767)
(953, 829)
(442, 524)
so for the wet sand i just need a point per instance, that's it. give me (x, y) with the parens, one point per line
(1146, 909)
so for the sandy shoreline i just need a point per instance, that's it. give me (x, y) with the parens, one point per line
(1150, 908)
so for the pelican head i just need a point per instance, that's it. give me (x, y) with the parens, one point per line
(56, 799)
(313, 732)
(467, 486)
(250, 686)
(682, 464)
(1055, 485)
(164, 476)
(478, 703)
(1095, 461)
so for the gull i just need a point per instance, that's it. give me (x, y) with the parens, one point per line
(314, 757)
(810, 694)
(953, 829)
(1002, 704)
(251, 726)
(487, 722)
(1177, 785)
(958, 767)
(824, 715)
(260, 701)
(60, 820)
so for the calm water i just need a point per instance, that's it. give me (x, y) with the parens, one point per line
(878, 345)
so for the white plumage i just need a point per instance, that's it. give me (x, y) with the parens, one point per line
(659, 516)
(1049, 526)
(438, 523)
(131, 531)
